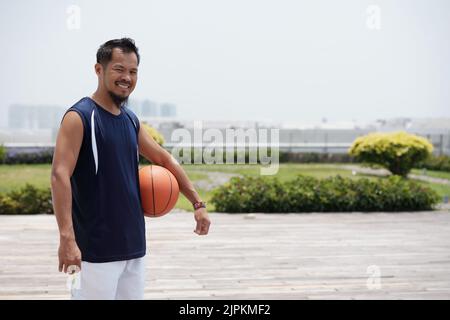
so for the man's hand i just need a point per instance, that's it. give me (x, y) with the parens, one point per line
(69, 254)
(203, 222)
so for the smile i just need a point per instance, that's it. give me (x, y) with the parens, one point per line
(123, 85)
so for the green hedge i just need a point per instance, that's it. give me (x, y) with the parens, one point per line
(2, 153)
(27, 200)
(441, 163)
(283, 157)
(267, 194)
(44, 156)
(334, 194)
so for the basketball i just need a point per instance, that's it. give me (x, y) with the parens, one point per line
(159, 190)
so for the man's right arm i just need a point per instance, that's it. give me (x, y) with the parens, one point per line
(67, 148)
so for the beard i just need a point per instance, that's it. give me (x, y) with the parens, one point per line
(119, 101)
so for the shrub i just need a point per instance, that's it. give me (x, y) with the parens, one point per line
(241, 195)
(315, 157)
(2, 153)
(334, 194)
(27, 200)
(283, 156)
(45, 156)
(440, 163)
(157, 136)
(398, 152)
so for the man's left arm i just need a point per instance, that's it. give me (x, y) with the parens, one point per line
(153, 152)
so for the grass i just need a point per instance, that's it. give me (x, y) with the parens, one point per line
(441, 189)
(13, 177)
(286, 171)
(184, 203)
(16, 176)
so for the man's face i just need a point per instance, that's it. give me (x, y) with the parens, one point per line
(120, 75)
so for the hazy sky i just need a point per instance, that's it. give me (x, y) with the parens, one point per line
(239, 59)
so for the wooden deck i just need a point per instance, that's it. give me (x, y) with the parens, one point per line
(276, 256)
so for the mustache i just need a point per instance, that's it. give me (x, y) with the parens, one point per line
(119, 101)
(124, 82)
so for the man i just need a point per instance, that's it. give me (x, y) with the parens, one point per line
(95, 186)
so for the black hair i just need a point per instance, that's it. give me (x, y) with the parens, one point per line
(104, 53)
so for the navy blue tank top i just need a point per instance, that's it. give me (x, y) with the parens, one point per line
(107, 215)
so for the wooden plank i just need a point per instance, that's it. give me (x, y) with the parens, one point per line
(272, 256)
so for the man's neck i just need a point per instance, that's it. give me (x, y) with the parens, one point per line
(105, 101)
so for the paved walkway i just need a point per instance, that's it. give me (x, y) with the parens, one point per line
(285, 256)
(385, 172)
(215, 179)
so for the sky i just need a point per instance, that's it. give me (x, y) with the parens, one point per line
(295, 61)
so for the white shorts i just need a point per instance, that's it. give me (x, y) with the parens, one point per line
(120, 280)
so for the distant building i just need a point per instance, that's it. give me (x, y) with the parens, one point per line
(168, 110)
(34, 117)
(135, 106)
(39, 124)
(149, 108)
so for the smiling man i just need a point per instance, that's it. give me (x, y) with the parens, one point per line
(95, 186)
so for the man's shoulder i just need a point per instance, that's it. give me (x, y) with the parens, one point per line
(130, 112)
(83, 105)
(132, 116)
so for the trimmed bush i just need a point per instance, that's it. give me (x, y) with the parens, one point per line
(157, 136)
(334, 194)
(398, 152)
(45, 156)
(315, 157)
(27, 200)
(441, 163)
(2, 153)
(284, 156)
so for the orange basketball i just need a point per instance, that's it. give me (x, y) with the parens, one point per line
(159, 190)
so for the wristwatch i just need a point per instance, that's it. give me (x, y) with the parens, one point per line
(199, 204)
